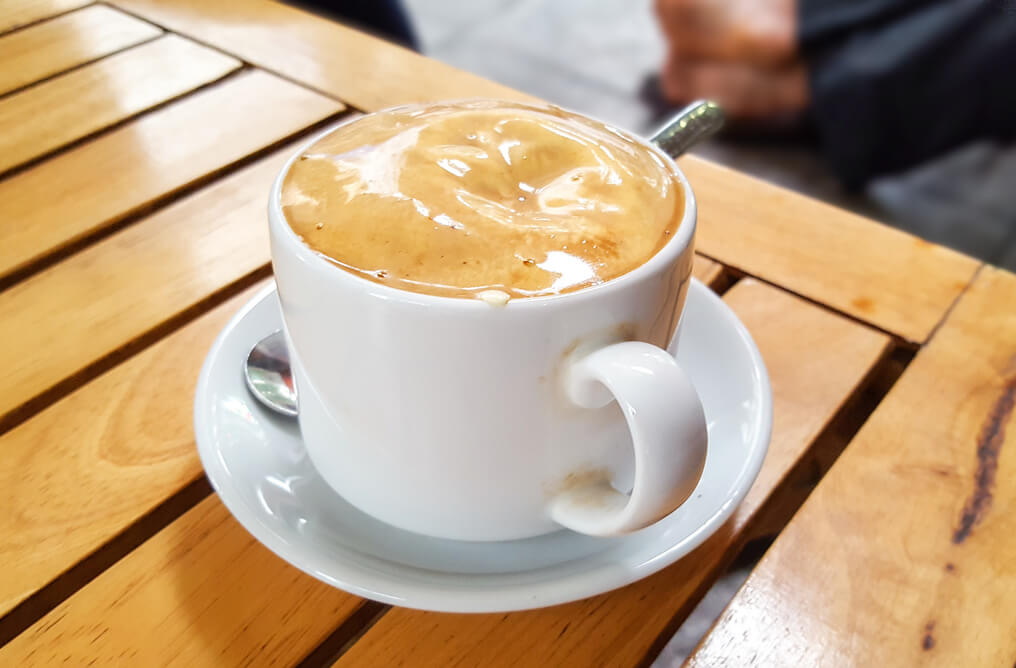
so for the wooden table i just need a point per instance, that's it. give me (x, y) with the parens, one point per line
(138, 139)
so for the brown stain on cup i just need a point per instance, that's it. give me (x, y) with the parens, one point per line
(589, 487)
(583, 345)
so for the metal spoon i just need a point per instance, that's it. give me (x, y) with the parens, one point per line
(693, 124)
(269, 376)
(267, 370)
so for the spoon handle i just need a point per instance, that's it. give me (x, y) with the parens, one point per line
(693, 124)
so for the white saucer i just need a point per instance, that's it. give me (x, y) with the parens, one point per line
(257, 463)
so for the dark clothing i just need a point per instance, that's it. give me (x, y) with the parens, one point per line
(384, 18)
(895, 82)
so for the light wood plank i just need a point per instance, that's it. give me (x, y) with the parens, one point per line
(43, 118)
(361, 70)
(67, 41)
(875, 273)
(17, 13)
(202, 592)
(905, 554)
(87, 467)
(65, 318)
(99, 183)
(813, 372)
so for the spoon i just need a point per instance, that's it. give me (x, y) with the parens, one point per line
(267, 370)
(268, 374)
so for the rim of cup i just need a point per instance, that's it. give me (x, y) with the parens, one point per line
(678, 243)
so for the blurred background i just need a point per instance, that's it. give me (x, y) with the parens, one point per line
(901, 110)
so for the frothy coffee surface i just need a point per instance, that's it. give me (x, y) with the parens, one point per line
(463, 199)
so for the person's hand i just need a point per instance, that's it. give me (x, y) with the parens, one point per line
(760, 32)
(740, 53)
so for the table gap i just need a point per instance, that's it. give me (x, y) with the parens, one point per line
(211, 45)
(63, 148)
(897, 340)
(49, 17)
(246, 63)
(745, 558)
(41, 602)
(808, 472)
(342, 638)
(799, 481)
(78, 66)
(723, 281)
(52, 394)
(170, 196)
(948, 311)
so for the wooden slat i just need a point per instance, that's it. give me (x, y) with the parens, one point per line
(97, 184)
(359, 69)
(905, 554)
(90, 465)
(813, 372)
(43, 118)
(67, 317)
(16, 13)
(202, 592)
(65, 42)
(874, 273)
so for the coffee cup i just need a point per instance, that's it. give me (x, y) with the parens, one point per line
(480, 419)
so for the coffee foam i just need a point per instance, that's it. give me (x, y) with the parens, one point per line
(482, 198)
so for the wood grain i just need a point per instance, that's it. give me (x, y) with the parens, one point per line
(813, 372)
(45, 117)
(905, 554)
(100, 182)
(90, 465)
(65, 42)
(88, 306)
(361, 70)
(202, 592)
(872, 272)
(17, 13)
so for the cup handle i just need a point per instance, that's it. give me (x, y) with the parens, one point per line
(668, 430)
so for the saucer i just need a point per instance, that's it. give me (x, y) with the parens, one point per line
(257, 463)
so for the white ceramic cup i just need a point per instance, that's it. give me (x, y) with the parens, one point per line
(458, 419)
